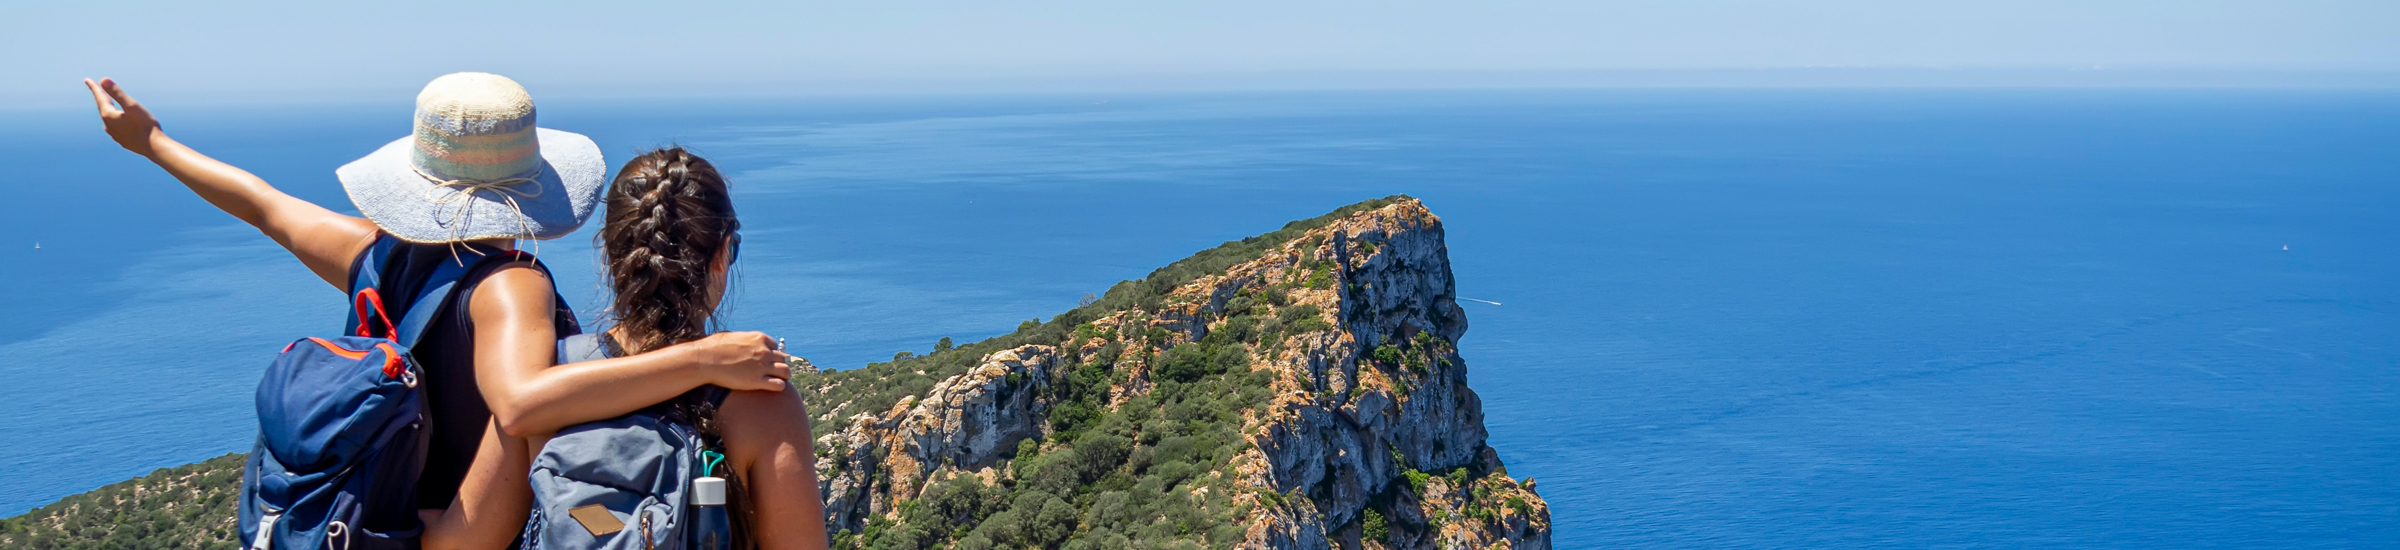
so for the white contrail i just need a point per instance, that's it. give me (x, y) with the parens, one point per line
(1484, 301)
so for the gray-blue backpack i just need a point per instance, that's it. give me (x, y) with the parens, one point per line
(625, 483)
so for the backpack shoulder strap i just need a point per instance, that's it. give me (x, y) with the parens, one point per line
(370, 264)
(366, 298)
(444, 282)
(436, 290)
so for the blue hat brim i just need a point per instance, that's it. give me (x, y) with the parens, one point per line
(391, 194)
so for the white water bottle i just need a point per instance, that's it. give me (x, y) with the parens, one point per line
(712, 529)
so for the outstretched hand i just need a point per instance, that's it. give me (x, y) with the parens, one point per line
(125, 119)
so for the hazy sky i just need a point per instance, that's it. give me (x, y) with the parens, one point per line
(278, 49)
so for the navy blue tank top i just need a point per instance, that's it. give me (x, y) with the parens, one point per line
(447, 354)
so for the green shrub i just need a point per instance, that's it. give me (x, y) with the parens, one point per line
(1275, 296)
(1294, 314)
(1375, 527)
(1319, 278)
(1241, 304)
(1242, 328)
(1309, 324)
(1191, 361)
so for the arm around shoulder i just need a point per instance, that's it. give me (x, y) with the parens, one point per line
(515, 354)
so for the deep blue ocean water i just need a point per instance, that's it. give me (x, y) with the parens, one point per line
(1755, 319)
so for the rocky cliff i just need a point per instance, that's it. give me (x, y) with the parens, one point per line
(1307, 395)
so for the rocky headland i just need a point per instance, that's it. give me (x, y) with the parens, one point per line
(1307, 393)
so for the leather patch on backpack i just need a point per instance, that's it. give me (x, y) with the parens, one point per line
(597, 519)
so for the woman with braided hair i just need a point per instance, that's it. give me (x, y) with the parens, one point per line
(474, 178)
(669, 241)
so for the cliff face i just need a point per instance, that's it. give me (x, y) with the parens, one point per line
(1349, 419)
(967, 422)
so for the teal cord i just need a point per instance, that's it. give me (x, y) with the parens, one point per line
(710, 459)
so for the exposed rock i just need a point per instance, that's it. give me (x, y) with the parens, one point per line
(800, 366)
(966, 422)
(1368, 391)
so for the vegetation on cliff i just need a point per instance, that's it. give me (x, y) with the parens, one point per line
(1102, 475)
(875, 388)
(1291, 390)
(189, 506)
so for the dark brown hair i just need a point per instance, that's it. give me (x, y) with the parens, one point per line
(668, 217)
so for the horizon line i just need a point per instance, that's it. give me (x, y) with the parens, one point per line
(1793, 78)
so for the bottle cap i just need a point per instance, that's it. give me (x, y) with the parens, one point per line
(708, 491)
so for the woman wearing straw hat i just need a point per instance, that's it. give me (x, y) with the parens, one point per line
(476, 173)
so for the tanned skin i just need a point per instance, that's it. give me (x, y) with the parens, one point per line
(514, 353)
(767, 441)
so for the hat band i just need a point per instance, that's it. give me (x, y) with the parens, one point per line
(450, 147)
(462, 192)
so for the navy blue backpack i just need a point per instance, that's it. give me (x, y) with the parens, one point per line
(343, 425)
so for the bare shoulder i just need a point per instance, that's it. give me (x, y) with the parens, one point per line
(331, 246)
(746, 403)
(766, 428)
(763, 416)
(515, 288)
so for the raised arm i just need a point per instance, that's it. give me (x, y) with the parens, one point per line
(515, 351)
(324, 240)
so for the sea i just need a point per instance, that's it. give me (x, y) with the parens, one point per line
(1703, 318)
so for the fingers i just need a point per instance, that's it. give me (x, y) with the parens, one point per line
(116, 92)
(780, 366)
(765, 354)
(772, 380)
(100, 98)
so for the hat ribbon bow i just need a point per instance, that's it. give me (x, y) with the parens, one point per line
(505, 191)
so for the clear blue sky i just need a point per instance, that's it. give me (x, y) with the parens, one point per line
(279, 49)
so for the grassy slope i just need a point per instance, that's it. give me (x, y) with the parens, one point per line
(189, 506)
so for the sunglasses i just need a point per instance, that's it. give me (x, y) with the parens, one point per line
(733, 248)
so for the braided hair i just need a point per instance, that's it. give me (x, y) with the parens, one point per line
(669, 216)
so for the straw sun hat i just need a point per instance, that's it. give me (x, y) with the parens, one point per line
(477, 168)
